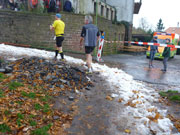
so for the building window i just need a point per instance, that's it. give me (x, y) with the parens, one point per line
(94, 7)
(112, 15)
(102, 10)
(119, 37)
(107, 13)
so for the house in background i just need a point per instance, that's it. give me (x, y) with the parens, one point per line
(119, 10)
(125, 9)
(175, 30)
(89, 7)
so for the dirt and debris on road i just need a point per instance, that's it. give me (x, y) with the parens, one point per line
(26, 96)
(41, 96)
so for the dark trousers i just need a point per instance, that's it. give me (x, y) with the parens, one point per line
(165, 62)
(152, 54)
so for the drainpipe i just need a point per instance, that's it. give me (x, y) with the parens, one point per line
(97, 11)
(96, 23)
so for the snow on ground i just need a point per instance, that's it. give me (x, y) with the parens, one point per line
(135, 95)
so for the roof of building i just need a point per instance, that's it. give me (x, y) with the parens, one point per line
(137, 6)
(173, 30)
(107, 4)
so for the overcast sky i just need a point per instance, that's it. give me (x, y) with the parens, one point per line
(153, 10)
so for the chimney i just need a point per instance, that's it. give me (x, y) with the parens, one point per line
(178, 24)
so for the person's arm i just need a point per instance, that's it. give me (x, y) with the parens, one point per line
(98, 36)
(51, 27)
(165, 51)
(169, 50)
(83, 34)
(81, 41)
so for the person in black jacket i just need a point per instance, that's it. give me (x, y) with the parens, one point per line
(68, 6)
(153, 50)
(4, 4)
(166, 54)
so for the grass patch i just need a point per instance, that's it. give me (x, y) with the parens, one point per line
(2, 60)
(1, 94)
(37, 107)
(41, 131)
(29, 87)
(4, 128)
(18, 122)
(163, 94)
(46, 108)
(19, 102)
(171, 95)
(46, 98)
(172, 91)
(32, 123)
(42, 47)
(14, 85)
(7, 112)
(31, 116)
(29, 95)
(20, 117)
(175, 98)
(2, 76)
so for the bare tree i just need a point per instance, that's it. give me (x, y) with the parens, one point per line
(143, 24)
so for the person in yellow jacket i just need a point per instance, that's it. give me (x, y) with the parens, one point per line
(58, 27)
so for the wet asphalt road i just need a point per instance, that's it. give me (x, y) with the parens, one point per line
(137, 66)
